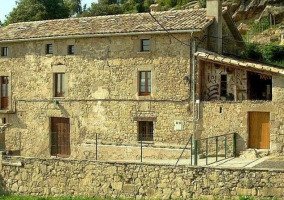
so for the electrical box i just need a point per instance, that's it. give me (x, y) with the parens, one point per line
(178, 125)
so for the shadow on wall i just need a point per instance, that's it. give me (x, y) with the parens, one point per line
(3, 188)
(240, 144)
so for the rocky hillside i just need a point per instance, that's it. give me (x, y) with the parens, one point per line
(259, 20)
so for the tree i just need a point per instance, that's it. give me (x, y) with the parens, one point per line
(74, 6)
(147, 4)
(55, 9)
(104, 7)
(98, 9)
(33, 10)
(108, 2)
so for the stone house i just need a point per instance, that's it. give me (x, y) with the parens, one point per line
(159, 77)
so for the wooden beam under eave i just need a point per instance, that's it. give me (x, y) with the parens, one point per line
(248, 68)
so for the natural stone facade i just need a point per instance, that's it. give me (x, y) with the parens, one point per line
(102, 109)
(57, 177)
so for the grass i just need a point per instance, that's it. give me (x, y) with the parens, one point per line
(50, 198)
(93, 198)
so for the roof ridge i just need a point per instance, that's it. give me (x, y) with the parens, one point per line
(110, 16)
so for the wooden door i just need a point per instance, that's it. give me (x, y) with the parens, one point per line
(2, 140)
(259, 130)
(4, 92)
(60, 136)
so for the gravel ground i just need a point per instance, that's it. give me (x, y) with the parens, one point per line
(276, 163)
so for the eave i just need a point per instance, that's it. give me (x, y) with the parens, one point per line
(238, 63)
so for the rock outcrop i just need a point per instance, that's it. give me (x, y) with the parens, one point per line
(256, 9)
(245, 13)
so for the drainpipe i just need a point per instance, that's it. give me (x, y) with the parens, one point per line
(195, 102)
(194, 89)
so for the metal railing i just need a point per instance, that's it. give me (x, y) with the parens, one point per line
(218, 147)
(146, 144)
(191, 148)
(210, 149)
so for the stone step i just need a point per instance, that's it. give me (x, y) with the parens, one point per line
(254, 153)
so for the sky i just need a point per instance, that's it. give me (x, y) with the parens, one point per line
(6, 6)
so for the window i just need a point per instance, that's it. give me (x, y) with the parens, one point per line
(4, 51)
(146, 131)
(144, 83)
(223, 85)
(145, 45)
(4, 92)
(49, 49)
(60, 136)
(59, 84)
(71, 50)
(259, 86)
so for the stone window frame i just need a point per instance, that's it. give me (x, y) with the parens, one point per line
(9, 108)
(136, 81)
(71, 42)
(138, 41)
(58, 69)
(149, 135)
(44, 48)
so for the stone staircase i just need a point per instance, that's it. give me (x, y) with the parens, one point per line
(254, 153)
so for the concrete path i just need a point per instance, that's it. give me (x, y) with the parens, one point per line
(222, 162)
(240, 162)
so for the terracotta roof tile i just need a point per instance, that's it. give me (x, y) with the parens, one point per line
(185, 20)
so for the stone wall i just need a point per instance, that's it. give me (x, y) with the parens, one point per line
(57, 177)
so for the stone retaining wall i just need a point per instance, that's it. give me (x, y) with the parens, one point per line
(60, 177)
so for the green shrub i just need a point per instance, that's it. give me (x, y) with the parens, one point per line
(273, 53)
(252, 52)
(260, 26)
